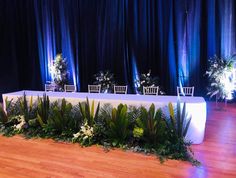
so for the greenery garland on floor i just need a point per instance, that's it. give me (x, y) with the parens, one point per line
(159, 132)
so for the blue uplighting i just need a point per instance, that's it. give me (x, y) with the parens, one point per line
(176, 26)
(227, 28)
(135, 74)
(48, 44)
(66, 44)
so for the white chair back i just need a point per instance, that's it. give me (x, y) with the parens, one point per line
(120, 89)
(94, 88)
(150, 90)
(69, 88)
(50, 87)
(185, 91)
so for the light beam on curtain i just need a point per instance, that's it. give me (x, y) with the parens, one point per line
(46, 39)
(187, 20)
(193, 42)
(181, 19)
(211, 32)
(49, 42)
(227, 28)
(172, 65)
(66, 41)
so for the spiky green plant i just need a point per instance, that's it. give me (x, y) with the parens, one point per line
(3, 115)
(88, 113)
(76, 118)
(13, 107)
(60, 116)
(27, 109)
(151, 122)
(43, 110)
(101, 126)
(118, 125)
(179, 122)
(175, 146)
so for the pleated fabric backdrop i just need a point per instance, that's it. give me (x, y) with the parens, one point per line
(173, 38)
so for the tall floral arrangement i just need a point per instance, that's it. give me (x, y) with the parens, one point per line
(60, 72)
(106, 80)
(220, 77)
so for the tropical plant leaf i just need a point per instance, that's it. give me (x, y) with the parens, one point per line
(87, 113)
(43, 109)
(118, 124)
(179, 121)
(172, 117)
(3, 115)
(92, 109)
(186, 127)
(40, 120)
(171, 110)
(183, 117)
(97, 111)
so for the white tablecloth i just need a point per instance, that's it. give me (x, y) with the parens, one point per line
(195, 106)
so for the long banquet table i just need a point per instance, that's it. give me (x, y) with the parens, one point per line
(195, 106)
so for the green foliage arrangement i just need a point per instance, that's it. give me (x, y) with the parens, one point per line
(28, 110)
(139, 129)
(118, 124)
(13, 107)
(150, 121)
(43, 110)
(106, 80)
(178, 123)
(60, 117)
(3, 115)
(88, 113)
(219, 74)
(176, 147)
(11, 124)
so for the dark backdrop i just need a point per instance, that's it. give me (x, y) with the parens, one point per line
(173, 38)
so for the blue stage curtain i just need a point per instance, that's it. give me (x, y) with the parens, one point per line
(173, 38)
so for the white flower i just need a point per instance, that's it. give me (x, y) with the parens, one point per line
(76, 135)
(21, 120)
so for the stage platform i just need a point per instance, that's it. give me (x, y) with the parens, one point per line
(195, 106)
